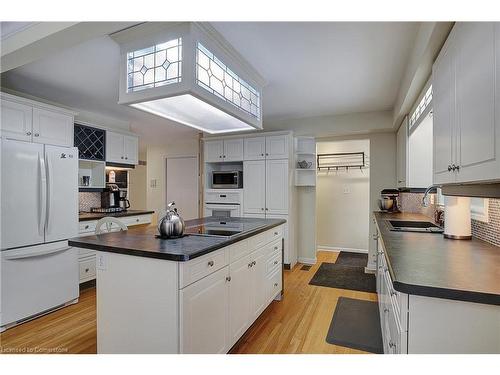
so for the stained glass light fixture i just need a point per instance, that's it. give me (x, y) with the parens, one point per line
(187, 72)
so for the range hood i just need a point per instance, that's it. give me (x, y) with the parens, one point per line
(187, 72)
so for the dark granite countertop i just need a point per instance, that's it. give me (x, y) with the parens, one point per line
(142, 241)
(428, 264)
(86, 216)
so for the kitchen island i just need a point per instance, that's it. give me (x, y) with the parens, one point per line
(436, 295)
(195, 294)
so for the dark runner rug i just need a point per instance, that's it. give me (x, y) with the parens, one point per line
(344, 277)
(356, 324)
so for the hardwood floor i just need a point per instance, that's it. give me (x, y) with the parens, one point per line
(298, 324)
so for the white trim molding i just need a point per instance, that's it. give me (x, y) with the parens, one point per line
(339, 249)
(310, 261)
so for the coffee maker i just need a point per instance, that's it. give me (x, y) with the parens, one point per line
(110, 198)
(123, 202)
(389, 201)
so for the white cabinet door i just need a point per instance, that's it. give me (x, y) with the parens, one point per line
(259, 292)
(277, 187)
(16, 121)
(255, 148)
(239, 298)
(401, 154)
(52, 128)
(478, 137)
(214, 151)
(277, 147)
(204, 315)
(131, 149)
(443, 86)
(233, 150)
(254, 185)
(114, 147)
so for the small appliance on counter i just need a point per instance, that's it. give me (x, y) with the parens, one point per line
(227, 179)
(171, 225)
(123, 202)
(389, 200)
(110, 198)
(457, 223)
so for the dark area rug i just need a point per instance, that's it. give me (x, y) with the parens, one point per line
(344, 277)
(356, 324)
(346, 258)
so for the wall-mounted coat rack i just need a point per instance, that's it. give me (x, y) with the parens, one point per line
(341, 160)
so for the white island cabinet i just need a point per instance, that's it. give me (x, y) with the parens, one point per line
(203, 305)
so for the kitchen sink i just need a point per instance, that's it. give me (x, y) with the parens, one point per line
(414, 226)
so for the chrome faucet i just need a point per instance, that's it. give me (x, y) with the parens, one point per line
(425, 202)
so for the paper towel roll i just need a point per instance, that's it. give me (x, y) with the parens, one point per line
(457, 224)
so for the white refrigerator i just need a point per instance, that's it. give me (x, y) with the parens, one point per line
(39, 212)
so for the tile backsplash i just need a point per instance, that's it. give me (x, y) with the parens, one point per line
(489, 232)
(88, 200)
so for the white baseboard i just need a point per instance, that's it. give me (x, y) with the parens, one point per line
(338, 249)
(310, 261)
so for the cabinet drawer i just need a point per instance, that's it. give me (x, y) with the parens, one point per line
(275, 233)
(87, 227)
(84, 253)
(87, 269)
(274, 262)
(274, 285)
(222, 197)
(136, 220)
(238, 250)
(196, 269)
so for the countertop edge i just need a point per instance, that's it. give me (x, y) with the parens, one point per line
(436, 292)
(114, 214)
(174, 257)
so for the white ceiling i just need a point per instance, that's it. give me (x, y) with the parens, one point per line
(312, 69)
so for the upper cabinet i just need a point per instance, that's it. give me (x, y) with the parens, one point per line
(17, 120)
(30, 121)
(401, 153)
(247, 148)
(277, 147)
(122, 149)
(224, 150)
(50, 127)
(466, 81)
(255, 148)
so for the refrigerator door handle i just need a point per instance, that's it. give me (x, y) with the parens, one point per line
(49, 191)
(32, 254)
(43, 195)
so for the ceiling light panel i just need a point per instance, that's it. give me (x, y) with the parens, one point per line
(187, 72)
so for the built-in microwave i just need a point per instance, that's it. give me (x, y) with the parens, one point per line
(227, 179)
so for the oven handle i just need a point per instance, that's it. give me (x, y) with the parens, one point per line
(222, 206)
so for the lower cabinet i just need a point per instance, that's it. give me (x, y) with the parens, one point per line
(216, 310)
(86, 257)
(204, 314)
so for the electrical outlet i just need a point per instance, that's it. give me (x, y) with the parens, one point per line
(152, 183)
(101, 261)
(346, 189)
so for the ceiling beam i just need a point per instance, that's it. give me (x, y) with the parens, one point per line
(45, 38)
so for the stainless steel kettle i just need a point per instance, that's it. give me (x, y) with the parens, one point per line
(171, 225)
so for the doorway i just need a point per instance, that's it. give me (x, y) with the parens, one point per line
(343, 196)
(182, 185)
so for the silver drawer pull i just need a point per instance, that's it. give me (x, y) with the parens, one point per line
(275, 262)
(386, 310)
(393, 293)
(276, 233)
(28, 133)
(37, 135)
(276, 248)
(86, 227)
(392, 345)
(228, 278)
(87, 270)
(275, 284)
(250, 265)
(211, 263)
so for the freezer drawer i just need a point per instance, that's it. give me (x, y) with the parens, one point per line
(36, 279)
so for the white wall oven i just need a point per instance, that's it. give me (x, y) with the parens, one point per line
(222, 203)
